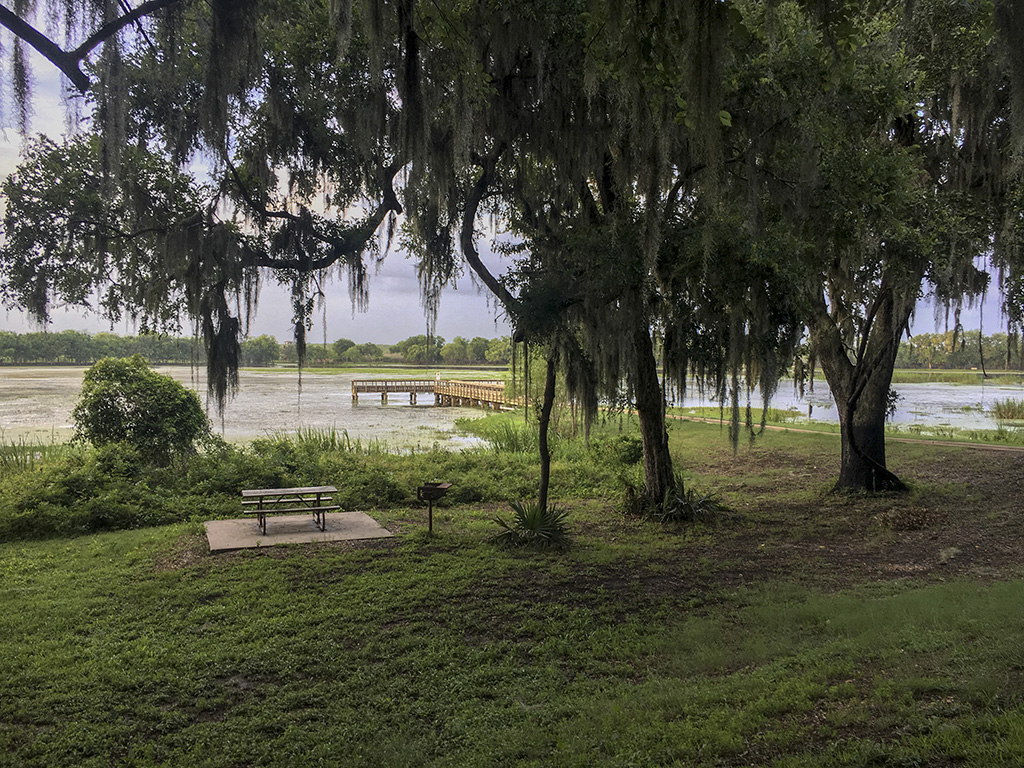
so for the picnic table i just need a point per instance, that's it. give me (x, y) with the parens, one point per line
(286, 500)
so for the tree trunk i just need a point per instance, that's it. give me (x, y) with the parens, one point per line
(650, 409)
(862, 430)
(860, 388)
(545, 419)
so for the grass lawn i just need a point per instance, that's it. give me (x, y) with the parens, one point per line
(802, 629)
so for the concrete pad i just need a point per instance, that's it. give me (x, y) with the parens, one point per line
(225, 535)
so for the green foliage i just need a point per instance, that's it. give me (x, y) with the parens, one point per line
(341, 346)
(1009, 409)
(509, 436)
(74, 347)
(622, 449)
(960, 350)
(20, 454)
(262, 351)
(681, 505)
(125, 402)
(110, 488)
(97, 227)
(534, 526)
(420, 350)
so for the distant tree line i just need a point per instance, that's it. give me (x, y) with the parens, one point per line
(78, 348)
(415, 350)
(963, 350)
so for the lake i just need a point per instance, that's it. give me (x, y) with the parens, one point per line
(959, 406)
(36, 403)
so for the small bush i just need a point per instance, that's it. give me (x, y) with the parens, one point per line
(534, 526)
(123, 401)
(623, 449)
(680, 505)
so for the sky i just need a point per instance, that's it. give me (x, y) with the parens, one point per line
(395, 311)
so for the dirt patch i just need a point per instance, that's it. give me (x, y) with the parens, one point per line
(963, 518)
(189, 550)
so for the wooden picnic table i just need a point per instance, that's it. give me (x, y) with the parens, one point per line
(285, 500)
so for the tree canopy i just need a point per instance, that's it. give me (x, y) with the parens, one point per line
(706, 179)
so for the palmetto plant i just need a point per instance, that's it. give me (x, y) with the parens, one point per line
(534, 526)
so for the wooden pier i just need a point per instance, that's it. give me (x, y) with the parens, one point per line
(446, 392)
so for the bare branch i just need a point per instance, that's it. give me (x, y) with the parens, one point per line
(64, 61)
(69, 62)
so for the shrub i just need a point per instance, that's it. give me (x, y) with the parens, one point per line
(623, 449)
(95, 490)
(123, 401)
(534, 526)
(679, 506)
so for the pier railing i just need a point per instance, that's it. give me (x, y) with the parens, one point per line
(486, 394)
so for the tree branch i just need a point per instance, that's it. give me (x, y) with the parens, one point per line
(466, 240)
(64, 61)
(111, 28)
(69, 62)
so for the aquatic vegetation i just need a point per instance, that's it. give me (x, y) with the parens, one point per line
(1010, 409)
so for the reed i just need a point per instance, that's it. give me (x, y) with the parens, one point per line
(512, 437)
(19, 454)
(1008, 410)
(332, 440)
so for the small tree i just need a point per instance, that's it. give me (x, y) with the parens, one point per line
(263, 351)
(123, 401)
(341, 346)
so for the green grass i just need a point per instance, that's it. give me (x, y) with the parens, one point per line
(1008, 409)
(942, 376)
(451, 652)
(737, 642)
(939, 433)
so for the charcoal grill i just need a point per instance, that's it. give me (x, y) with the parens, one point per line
(431, 492)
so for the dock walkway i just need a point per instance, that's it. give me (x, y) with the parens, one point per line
(446, 392)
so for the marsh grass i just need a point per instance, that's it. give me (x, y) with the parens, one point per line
(1009, 409)
(20, 454)
(332, 440)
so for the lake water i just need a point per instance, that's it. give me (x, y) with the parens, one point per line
(961, 406)
(36, 403)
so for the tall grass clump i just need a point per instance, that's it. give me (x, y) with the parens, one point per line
(18, 455)
(331, 440)
(513, 437)
(1008, 410)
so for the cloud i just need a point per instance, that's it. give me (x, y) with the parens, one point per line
(395, 311)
